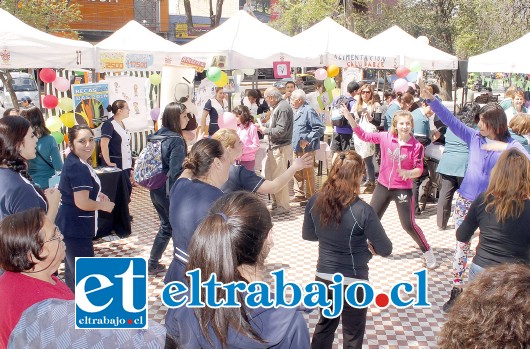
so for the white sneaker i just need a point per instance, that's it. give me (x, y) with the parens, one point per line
(278, 211)
(430, 259)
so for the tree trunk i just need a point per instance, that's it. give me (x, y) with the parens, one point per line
(446, 84)
(218, 12)
(6, 80)
(189, 16)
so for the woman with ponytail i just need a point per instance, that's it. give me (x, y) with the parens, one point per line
(348, 232)
(233, 242)
(205, 171)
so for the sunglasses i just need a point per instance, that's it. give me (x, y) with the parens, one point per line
(364, 92)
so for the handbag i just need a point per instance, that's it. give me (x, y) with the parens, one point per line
(364, 149)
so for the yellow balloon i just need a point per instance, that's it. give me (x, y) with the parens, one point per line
(333, 71)
(66, 104)
(53, 124)
(223, 80)
(68, 119)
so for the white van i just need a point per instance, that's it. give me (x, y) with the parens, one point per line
(24, 85)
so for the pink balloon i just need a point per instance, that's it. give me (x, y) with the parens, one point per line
(61, 84)
(321, 74)
(228, 120)
(401, 85)
(402, 71)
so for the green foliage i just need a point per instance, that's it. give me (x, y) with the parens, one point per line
(52, 16)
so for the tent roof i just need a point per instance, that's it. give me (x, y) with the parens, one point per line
(507, 59)
(247, 43)
(396, 41)
(134, 47)
(330, 37)
(22, 46)
(341, 46)
(135, 37)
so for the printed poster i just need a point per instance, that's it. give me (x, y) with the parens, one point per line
(90, 103)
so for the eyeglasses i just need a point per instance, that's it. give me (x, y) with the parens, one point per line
(364, 92)
(56, 236)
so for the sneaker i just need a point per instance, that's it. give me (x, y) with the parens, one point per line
(279, 211)
(370, 186)
(430, 260)
(160, 268)
(455, 293)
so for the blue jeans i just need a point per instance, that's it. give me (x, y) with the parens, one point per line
(161, 203)
(474, 271)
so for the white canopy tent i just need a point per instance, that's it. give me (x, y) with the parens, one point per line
(133, 47)
(396, 41)
(247, 43)
(22, 46)
(509, 58)
(331, 43)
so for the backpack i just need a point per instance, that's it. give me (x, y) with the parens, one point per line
(337, 119)
(148, 167)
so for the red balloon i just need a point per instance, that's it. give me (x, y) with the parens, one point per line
(47, 75)
(402, 71)
(50, 101)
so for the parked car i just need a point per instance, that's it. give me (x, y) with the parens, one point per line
(308, 82)
(24, 85)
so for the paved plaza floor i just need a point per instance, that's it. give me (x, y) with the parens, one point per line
(385, 328)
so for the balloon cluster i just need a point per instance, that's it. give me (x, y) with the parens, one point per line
(406, 75)
(217, 76)
(328, 76)
(66, 104)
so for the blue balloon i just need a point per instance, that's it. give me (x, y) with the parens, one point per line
(412, 76)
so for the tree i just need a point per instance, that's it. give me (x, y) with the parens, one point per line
(51, 16)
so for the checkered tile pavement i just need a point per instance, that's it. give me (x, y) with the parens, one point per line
(385, 328)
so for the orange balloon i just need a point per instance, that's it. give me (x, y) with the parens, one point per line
(333, 71)
(66, 138)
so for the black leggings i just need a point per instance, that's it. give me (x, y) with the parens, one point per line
(404, 201)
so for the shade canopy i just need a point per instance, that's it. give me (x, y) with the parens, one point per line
(134, 47)
(396, 41)
(510, 58)
(246, 43)
(331, 43)
(22, 46)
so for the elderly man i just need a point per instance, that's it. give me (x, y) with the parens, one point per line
(280, 132)
(307, 131)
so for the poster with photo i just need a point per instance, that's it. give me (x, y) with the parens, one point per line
(232, 86)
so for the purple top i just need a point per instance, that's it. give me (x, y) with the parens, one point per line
(481, 161)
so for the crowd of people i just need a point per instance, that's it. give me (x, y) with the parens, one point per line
(208, 209)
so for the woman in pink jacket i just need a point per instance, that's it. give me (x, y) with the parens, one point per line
(248, 134)
(401, 161)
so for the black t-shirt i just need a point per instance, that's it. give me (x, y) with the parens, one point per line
(240, 178)
(507, 242)
(343, 248)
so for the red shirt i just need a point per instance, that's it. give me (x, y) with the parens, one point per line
(19, 292)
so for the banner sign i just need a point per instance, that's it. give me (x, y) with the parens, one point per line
(366, 62)
(138, 61)
(190, 62)
(111, 61)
